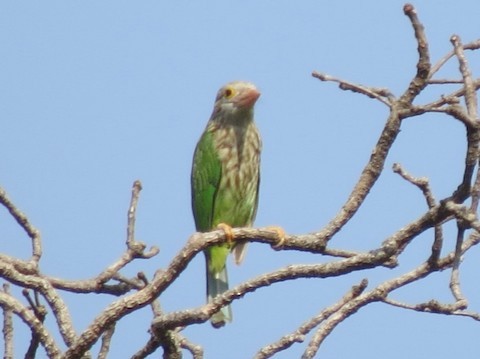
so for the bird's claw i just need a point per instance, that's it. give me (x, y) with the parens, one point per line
(280, 237)
(228, 231)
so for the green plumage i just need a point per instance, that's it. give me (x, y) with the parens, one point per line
(225, 180)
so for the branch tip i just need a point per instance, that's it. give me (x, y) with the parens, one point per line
(408, 9)
(137, 185)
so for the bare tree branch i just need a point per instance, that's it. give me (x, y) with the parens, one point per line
(299, 335)
(423, 184)
(423, 65)
(12, 304)
(25, 224)
(7, 327)
(382, 95)
(106, 340)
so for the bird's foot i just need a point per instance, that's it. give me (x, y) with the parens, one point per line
(280, 236)
(228, 231)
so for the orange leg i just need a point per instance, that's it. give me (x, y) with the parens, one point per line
(228, 231)
(280, 235)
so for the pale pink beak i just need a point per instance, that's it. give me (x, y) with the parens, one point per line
(248, 97)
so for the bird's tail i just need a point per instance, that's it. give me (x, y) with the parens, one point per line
(217, 283)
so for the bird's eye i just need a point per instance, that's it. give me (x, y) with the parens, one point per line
(228, 93)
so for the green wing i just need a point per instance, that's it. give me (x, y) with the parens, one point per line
(206, 175)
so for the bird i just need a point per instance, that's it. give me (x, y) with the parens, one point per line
(225, 181)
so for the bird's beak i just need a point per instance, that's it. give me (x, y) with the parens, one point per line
(248, 97)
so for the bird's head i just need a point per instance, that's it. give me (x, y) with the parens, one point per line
(236, 99)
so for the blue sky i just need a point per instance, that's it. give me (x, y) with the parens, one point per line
(97, 94)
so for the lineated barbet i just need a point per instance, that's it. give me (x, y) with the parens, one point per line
(225, 181)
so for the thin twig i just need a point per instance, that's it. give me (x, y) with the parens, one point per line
(423, 65)
(136, 188)
(137, 248)
(473, 133)
(7, 327)
(45, 338)
(444, 81)
(382, 95)
(455, 276)
(432, 306)
(470, 94)
(40, 312)
(25, 224)
(474, 45)
(423, 184)
(195, 349)
(452, 99)
(106, 341)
